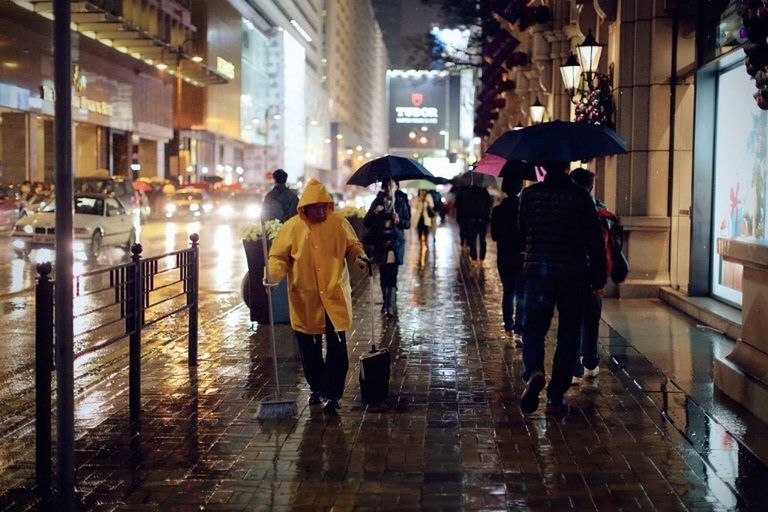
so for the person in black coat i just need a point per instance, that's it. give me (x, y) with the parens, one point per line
(564, 263)
(387, 219)
(476, 209)
(509, 256)
(280, 202)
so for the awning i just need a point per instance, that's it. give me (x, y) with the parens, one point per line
(96, 23)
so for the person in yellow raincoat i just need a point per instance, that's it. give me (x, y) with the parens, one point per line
(313, 250)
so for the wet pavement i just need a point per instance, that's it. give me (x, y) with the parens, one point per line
(450, 437)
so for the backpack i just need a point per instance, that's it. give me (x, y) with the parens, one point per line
(613, 234)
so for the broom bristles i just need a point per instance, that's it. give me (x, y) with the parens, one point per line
(276, 409)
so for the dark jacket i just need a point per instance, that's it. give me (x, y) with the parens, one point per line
(505, 231)
(476, 204)
(280, 203)
(563, 238)
(375, 223)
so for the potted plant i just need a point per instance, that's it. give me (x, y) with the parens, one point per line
(355, 217)
(252, 288)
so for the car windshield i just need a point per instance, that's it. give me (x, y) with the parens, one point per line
(188, 195)
(83, 204)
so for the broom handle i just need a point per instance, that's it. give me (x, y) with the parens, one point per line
(373, 311)
(269, 307)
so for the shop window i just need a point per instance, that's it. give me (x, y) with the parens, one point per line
(741, 168)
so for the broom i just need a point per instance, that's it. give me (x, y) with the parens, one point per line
(273, 407)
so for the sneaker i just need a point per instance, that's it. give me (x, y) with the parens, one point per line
(315, 398)
(556, 406)
(591, 373)
(518, 339)
(529, 401)
(331, 406)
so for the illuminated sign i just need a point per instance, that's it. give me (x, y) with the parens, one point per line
(416, 115)
(97, 107)
(225, 67)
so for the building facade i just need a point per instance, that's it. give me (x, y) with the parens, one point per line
(355, 72)
(691, 192)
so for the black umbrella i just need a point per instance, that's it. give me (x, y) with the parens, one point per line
(558, 141)
(389, 167)
(522, 170)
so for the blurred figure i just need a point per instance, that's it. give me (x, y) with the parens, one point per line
(477, 213)
(387, 218)
(424, 207)
(459, 193)
(280, 202)
(439, 206)
(564, 263)
(509, 255)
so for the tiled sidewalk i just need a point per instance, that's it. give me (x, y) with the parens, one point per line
(450, 438)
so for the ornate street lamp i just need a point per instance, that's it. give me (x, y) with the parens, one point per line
(589, 90)
(536, 112)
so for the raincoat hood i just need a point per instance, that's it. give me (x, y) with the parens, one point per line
(314, 193)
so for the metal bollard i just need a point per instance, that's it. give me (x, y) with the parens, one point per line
(43, 368)
(192, 296)
(134, 317)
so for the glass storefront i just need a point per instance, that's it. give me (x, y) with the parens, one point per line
(255, 83)
(741, 166)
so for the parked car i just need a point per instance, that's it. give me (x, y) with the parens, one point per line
(35, 203)
(188, 202)
(100, 220)
(119, 186)
(10, 208)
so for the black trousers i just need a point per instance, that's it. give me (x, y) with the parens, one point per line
(328, 376)
(511, 277)
(476, 228)
(388, 275)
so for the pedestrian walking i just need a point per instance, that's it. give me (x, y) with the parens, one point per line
(509, 256)
(280, 202)
(439, 207)
(387, 218)
(424, 207)
(564, 263)
(477, 214)
(313, 250)
(459, 191)
(588, 365)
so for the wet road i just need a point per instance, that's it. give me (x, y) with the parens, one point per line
(451, 436)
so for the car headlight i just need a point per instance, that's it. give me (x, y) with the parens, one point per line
(170, 208)
(253, 211)
(226, 210)
(19, 244)
(28, 229)
(207, 207)
(194, 207)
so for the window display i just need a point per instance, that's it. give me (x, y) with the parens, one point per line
(741, 165)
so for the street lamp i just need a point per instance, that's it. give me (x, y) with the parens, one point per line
(579, 72)
(536, 111)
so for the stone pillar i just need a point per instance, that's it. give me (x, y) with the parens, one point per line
(642, 67)
(14, 158)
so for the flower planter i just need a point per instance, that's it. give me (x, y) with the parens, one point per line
(253, 292)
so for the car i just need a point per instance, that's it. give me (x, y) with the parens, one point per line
(10, 208)
(242, 204)
(119, 186)
(188, 202)
(99, 220)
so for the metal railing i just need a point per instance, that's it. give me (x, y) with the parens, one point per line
(111, 305)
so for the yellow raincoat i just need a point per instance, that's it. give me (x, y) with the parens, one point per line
(315, 259)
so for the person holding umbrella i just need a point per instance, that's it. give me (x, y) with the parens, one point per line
(387, 218)
(564, 264)
(313, 249)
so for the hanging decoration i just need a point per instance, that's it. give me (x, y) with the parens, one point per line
(754, 16)
(596, 105)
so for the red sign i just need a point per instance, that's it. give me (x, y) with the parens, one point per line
(417, 99)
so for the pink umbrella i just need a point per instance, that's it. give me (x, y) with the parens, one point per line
(490, 165)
